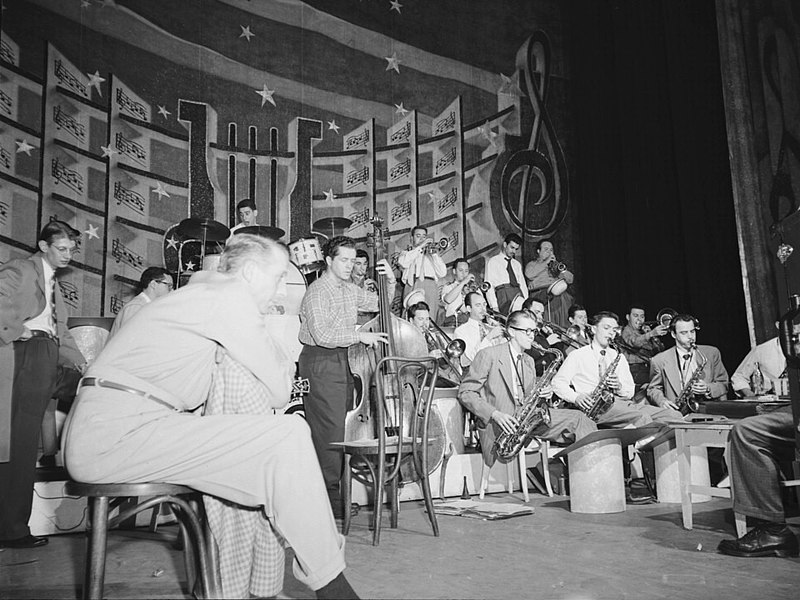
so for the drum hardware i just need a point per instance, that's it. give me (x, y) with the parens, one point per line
(202, 230)
(331, 226)
(272, 233)
(306, 254)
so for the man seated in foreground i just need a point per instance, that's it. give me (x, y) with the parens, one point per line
(132, 420)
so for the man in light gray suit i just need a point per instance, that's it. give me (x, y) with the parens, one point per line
(498, 381)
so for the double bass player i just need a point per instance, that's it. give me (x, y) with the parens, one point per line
(328, 317)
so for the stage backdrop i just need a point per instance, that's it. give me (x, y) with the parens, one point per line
(125, 117)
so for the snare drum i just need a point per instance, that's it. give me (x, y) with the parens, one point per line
(558, 287)
(211, 262)
(307, 255)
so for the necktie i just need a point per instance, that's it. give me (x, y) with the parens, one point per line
(602, 365)
(520, 374)
(512, 278)
(53, 313)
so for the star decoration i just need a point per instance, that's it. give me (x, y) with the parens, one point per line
(395, 6)
(189, 266)
(162, 110)
(161, 191)
(91, 233)
(266, 95)
(401, 110)
(108, 151)
(246, 33)
(510, 86)
(392, 62)
(329, 195)
(24, 146)
(332, 126)
(487, 133)
(95, 80)
(172, 242)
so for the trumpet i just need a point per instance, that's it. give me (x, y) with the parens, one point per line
(430, 246)
(472, 286)
(451, 349)
(556, 267)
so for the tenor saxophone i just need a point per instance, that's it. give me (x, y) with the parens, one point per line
(687, 402)
(531, 414)
(602, 396)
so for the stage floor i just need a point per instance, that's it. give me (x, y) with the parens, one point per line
(641, 554)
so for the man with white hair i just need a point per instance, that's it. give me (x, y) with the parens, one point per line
(135, 420)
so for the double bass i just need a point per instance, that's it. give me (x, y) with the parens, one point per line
(405, 340)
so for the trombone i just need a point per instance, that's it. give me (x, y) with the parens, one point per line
(570, 336)
(451, 349)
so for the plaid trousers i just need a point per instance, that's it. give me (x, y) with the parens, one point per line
(251, 553)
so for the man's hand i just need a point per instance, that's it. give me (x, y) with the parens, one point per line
(495, 333)
(546, 392)
(669, 404)
(612, 382)
(658, 331)
(384, 268)
(506, 422)
(700, 388)
(583, 402)
(373, 338)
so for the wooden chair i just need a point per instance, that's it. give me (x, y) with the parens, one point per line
(377, 462)
(540, 448)
(105, 497)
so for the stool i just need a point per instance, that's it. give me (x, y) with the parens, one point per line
(103, 496)
(539, 447)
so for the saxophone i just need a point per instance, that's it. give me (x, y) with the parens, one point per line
(687, 402)
(531, 414)
(602, 397)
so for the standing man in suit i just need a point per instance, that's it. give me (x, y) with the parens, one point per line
(672, 369)
(34, 342)
(497, 383)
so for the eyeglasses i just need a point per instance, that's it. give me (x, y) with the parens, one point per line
(528, 331)
(66, 249)
(166, 283)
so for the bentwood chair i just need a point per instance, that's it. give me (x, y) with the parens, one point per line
(388, 459)
(201, 572)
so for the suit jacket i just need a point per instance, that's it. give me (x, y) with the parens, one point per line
(22, 297)
(489, 386)
(665, 375)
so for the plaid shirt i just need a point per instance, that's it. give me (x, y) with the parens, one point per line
(251, 554)
(329, 312)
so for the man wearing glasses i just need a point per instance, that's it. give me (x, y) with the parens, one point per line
(155, 283)
(37, 353)
(497, 383)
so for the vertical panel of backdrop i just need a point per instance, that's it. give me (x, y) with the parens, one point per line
(657, 216)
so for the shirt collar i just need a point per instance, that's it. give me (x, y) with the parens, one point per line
(48, 271)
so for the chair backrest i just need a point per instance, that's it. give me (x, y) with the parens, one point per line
(405, 389)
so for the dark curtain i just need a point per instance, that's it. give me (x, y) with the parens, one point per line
(652, 182)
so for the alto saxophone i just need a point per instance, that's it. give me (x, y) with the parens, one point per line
(531, 414)
(687, 402)
(602, 396)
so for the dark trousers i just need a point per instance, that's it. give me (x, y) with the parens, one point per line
(331, 392)
(505, 295)
(35, 379)
(761, 448)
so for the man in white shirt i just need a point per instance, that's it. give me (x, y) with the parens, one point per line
(154, 283)
(768, 359)
(580, 375)
(504, 273)
(248, 214)
(422, 268)
(454, 291)
(476, 332)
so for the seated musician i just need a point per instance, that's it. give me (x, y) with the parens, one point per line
(247, 212)
(578, 328)
(687, 364)
(580, 375)
(154, 283)
(454, 291)
(541, 273)
(762, 371)
(420, 316)
(500, 379)
(133, 419)
(480, 331)
(640, 346)
(760, 452)
(542, 339)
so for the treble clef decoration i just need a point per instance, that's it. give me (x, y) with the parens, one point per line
(531, 179)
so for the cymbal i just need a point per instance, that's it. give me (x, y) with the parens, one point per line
(199, 229)
(330, 225)
(273, 233)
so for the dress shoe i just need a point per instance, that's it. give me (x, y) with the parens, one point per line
(48, 461)
(339, 514)
(29, 541)
(759, 541)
